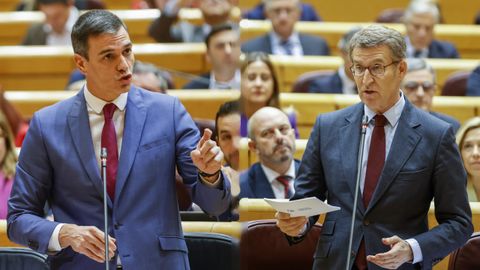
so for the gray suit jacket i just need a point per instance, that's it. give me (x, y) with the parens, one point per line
(312, 45)
(423, 165)
(35, 35)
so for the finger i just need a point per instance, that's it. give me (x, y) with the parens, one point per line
(207, 146)
(207, 133)
(281, 215)
(391, 240)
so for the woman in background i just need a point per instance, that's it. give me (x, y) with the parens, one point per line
(8, 158)
(468, 140)
(259, 88)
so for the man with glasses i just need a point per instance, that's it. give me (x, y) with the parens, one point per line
(272, 138)
(419, 87)
(283, 39)
(409, 159)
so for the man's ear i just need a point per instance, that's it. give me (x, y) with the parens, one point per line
(252, 146)
(80, 62)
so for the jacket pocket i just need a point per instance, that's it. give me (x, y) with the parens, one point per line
(172, 243)
(328, 227)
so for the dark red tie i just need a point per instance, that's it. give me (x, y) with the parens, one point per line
(109, 141)
(284, 180)
(376, 160)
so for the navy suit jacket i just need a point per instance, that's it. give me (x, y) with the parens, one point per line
(203, 82)
(473, 83)
(254, 182)
(58, 164)
(311, 45)
(442, 49)
(423, 164)
(327, 84)
(447, 118)
(258, 13)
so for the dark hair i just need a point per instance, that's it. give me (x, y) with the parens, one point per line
(91, 24)
(217, 29)
(227, 108)
(49, 2)
(274, 100)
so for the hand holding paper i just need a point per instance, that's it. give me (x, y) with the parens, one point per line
(304, 207)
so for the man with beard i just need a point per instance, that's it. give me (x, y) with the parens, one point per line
(214, 12)
(273, 140)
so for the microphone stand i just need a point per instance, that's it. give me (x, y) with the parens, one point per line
(357, 184)
(103, 159)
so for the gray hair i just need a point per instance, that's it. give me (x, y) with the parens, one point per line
(93, 23)
(421, 7)
(267, 3)
(378, 35)
(415, 64)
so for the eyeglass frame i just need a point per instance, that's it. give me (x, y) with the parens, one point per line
(352, 69)
(418, 84)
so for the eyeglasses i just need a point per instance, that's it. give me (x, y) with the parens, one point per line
(413, 86)
(376, 70)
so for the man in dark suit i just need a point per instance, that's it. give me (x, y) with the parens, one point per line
(410, 158)
(419, 87)
(473, 83)
(60, 15)
(223, 53)
(60, 163)
(307, 13)
(283, 39)
(340, 82)
(420, 19)
(273, 141)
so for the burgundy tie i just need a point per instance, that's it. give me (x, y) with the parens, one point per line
(284, 180)
(109, 141)
(376, 160)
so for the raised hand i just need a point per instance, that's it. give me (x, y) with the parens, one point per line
(207, 156)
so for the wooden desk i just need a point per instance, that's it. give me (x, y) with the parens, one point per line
(465, 37)
(49, 67)
(289, 68)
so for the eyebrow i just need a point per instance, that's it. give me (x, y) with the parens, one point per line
(109, 50)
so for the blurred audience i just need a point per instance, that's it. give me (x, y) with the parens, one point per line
(307, 13)
(60, 15)
(473, 83)
(167, 28)
(259, 88)
(145, 75)
(420, 19)
(223, 53)
(477, 18)
(8, 158)
(468, 140)
(272, 139)
(283, 39)
(419, 86)
(30, 5)
(341, 82)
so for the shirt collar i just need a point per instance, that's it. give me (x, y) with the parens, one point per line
(393, 114)
(97, 104)
(272, 175)
(347, 84)
(294, 39)
(234, 83)
(411, 49)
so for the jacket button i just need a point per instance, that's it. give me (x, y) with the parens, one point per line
(366, 222)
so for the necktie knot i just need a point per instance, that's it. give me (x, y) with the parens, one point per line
(287, 46)
(380, 120)
(108, 110)
(417, 53)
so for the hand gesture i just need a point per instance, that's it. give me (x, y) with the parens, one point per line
(86, 240)
(400, 252)
(291, 226)
(207, 156)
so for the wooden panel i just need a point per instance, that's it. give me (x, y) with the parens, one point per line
(465, 37)
(48, 67)
(8, 5)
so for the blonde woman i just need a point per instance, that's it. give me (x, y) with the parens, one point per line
(468, 140)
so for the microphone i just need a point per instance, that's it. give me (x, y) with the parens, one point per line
(357, 184)
(103, 161)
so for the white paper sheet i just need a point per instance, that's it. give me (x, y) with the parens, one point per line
(304, 207)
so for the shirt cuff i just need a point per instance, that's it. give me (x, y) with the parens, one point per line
(54, 244)
(215, 184)
(417, 252)
(302, 232)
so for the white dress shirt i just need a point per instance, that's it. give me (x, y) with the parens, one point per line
(411, 50)
(278, 49)
(54, 38)
(277, 187)
(234, 83)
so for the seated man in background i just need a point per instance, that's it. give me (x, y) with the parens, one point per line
(419, 87)
(223, 53)
(283, 39)
(272, 139)
(341, 82)
(420, 19)
(307, 13)
(60, 15)
(214, 12)
(473, 83)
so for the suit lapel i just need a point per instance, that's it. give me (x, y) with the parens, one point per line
(82, 139)
(349, 139)
(404, 143)
(135, 116)
(262, 187)
(268, 44)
